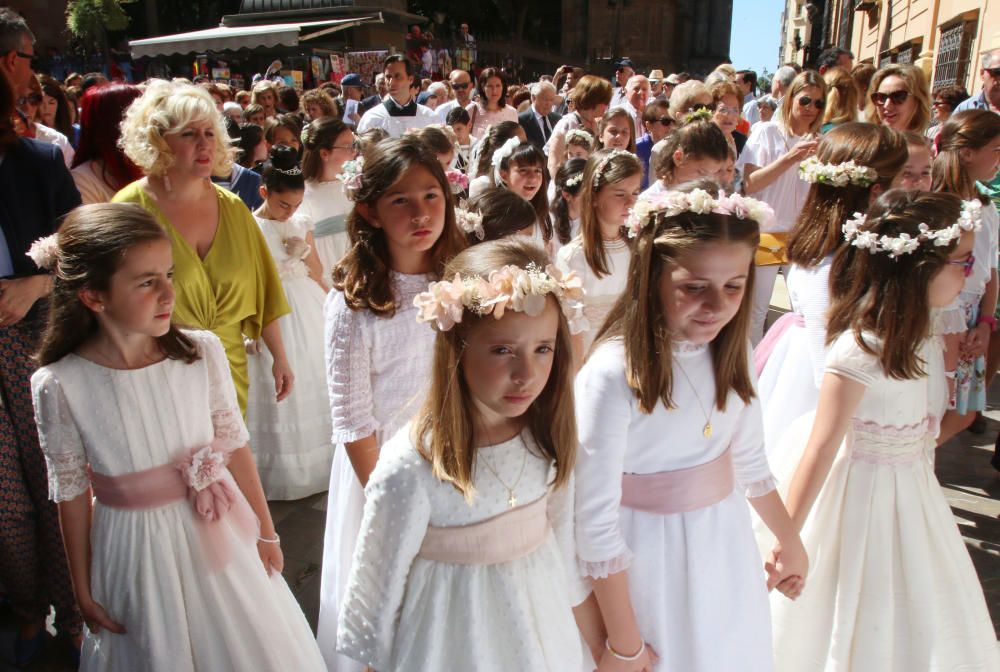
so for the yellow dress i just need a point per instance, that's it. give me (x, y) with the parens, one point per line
(234, 290)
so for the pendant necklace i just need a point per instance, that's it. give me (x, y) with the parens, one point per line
(511, 494)
(706, 431)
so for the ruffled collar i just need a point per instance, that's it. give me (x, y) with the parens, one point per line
(687, 348)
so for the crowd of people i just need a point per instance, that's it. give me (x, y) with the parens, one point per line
(519, 333)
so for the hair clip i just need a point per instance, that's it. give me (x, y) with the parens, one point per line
(45, 252)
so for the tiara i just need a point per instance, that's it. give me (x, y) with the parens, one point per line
(44, 252)
(904, 243)
(814, 171)
(294, 171)
(505, 151)
(457, 180)
(574, 180)
(351, 176)
(511, 287)
(470, 222)
(698, 201)
(599, 171)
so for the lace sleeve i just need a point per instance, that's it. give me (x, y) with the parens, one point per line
(65, 456)
(348, 372)
(226, 417)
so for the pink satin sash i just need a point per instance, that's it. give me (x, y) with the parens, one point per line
(502, 538)
(159, 486)
(680, 491)
(764, 349)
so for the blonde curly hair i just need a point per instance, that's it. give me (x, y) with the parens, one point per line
(167, 108)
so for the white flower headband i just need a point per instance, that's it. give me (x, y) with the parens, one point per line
(579, 134)
(599, 172)
(698, 201)
(498, 156)
(469, 221)
(575, 180)
(44, 252)
(511, 287)
(904, 243)
(351, 176)
(813, 171)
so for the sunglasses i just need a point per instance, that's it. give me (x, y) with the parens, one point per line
(897, 97)
(702, 106)
(994, 72)
(33, 99)
(460, 87)
(966, 264)
(666, 121)
(806, 101)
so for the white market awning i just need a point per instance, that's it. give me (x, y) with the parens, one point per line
(225, 38)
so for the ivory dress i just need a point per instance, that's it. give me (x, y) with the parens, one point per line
(325, 206)
(601, 293)
(696, 579)
(407, 613)
(377, 370)
(891, 587)
(291, 438)
(148, 569)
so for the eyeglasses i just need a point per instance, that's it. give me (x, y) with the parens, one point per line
(966, 264)
(354, 146)
(897, 97)
(806, 101)
(697, 107)
(33, 99)
(732, 110)
(460, 87)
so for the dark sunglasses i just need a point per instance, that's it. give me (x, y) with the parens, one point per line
(460, 87)
(897, 97)
(806, 101)
(34, 99)
(666, 121)
(702, 106)
(966, 264)
(994, 72)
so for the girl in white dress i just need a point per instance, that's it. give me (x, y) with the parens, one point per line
(854, 164)
(769, 165)
(378, 358)
(291, 438)
(892, 588)
(470, 509)
(671, 450)
(697, 149)
(327, 144)
(565, 202)
(177, 566)
(600, 254)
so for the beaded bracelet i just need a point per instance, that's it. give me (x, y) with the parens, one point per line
(276, 540)
(628, 659)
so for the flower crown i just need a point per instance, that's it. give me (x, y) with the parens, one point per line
(813, 171)
(469, 221)
(698, 201)
(904, 243)
(457, 180)
(351, 176)
(505, 151)
(44, 252)
(579, 134)
(511, 287)
(599, 171)
(574, 180)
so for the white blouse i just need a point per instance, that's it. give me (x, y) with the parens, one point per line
(768, 142)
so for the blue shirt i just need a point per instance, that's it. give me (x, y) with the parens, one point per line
(974, 103)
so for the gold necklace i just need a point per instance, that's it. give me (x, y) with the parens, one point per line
(706, 431)
(511, 495)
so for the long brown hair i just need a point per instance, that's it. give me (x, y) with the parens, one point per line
(698, 137)
(817, 231)
(842, 97)
(363, 275)
(886, 297)
(969, 129)
(617, 112)
(443, 428)
(804, 79)
(916, 84)
(319, 134)
(93, 242)
(637, 317)
(615, 169)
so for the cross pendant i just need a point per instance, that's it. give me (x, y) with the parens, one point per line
(512, 500)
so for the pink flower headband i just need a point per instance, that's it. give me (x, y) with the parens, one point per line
(457, 180)
(511, 287)
(698, 201)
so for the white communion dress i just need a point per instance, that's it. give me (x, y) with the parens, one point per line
(696, 579)
(496, 599)
(600, 293)
(326, 207)
(291, 438)
(149, 568)
(377, 370)
(891, 587)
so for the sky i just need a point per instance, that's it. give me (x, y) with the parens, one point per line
(756, 34)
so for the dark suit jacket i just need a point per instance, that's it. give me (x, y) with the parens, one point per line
(531, 128)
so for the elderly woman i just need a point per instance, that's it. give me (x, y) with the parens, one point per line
(224, 276)
(769, 164)
(898, 98)
(686, 97)
(591, 98)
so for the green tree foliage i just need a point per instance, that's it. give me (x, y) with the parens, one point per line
(90, 20)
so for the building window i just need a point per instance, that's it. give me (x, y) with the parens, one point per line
(953, 54)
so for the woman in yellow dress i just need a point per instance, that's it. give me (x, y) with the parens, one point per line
(224, 277)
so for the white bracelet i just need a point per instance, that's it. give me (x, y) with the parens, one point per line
(276, 540)
(628, 659)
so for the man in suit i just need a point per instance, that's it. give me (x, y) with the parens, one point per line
(539, 119)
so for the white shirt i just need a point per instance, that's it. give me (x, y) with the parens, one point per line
(378, 117)
(52, 136)
(787, 194)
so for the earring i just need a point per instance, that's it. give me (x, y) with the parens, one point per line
(166, 183)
